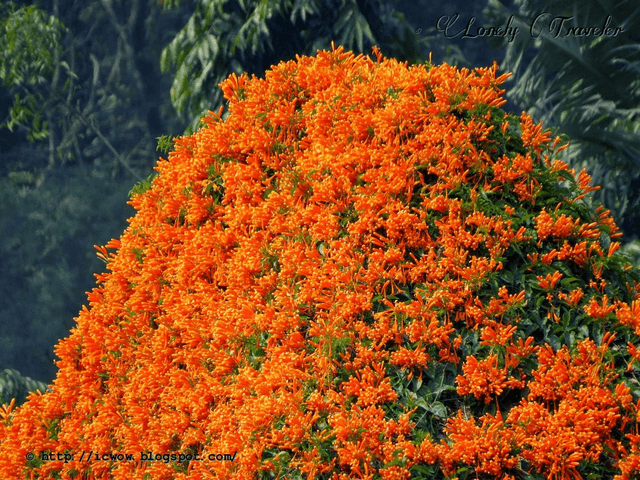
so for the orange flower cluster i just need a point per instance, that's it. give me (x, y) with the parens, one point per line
(366, 270)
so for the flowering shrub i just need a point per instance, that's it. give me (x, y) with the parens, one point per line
(367, 270)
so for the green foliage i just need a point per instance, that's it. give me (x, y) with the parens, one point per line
(29, 42)
(14, 385)
(30, 38)
(142, 186)
(25, 111)
(587, 86)
(164, 143)
(65, 85)
(23, 178)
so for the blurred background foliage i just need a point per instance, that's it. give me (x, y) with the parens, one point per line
(87, 87)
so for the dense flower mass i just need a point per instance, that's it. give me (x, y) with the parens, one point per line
(366, 270)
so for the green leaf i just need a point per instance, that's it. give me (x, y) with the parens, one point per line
(164, 143)
(142, 186)
(438, 409)
(554, 341)
(191, 29)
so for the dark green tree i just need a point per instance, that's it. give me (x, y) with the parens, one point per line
(34, 67)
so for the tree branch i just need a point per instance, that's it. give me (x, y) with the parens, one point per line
(97, 131)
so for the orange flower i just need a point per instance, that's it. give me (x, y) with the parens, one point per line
(549, 281)
(483, 379)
